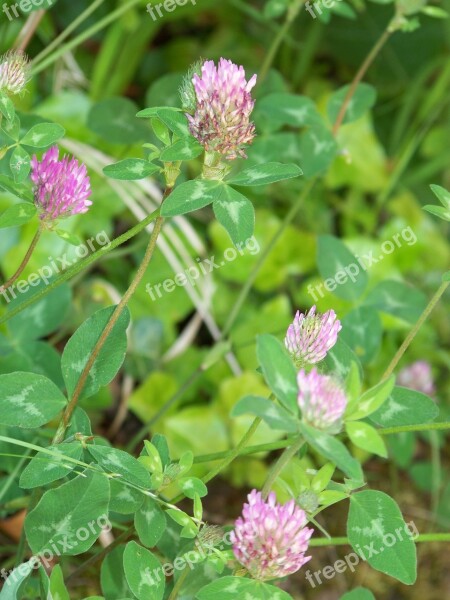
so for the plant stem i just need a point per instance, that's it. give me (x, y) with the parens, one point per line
(412, 334)
(83, 36)
(258, 449)
(292, 12)
(278, 445)
(228, 458)
(344, 541)
(25, 261)
(280, 465)
(75, 269)
(59, 436)
(235, 452)
(28, 30)
(62, 36)
(436, 470)
(179, 584)
(140, 435)
(423, 427)
(358, 78)
(253, 275)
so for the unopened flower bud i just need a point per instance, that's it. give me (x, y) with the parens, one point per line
(187, 90)
(308, 501)
(13, 72)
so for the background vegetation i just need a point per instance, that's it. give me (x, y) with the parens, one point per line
(116, 61)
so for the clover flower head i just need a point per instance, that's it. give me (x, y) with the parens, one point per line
(310, 336)
(270, 539)
(417, 376)
(61, 187)
(321, 400)
(13, 72)
(221, 122)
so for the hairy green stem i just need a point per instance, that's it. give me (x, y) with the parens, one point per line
(344, 541)
(228, 458)
(281, 463)
(436, 470)
(179, 584)
(279, 445)
(25, 261)
(59, 436)
(88, 33)
(235, 452)
(75, 269)
(262, 259)
(68, 30)
(140, 435)
(292, 12)
(358, 78)
(412, 334)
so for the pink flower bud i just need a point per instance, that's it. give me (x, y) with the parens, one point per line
(310, 336)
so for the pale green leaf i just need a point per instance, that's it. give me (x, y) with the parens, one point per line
(264, 174)
(130, 169)
(184, 149)
(191, 196)
(340, 269)
(405, 407)
(150, 522)
(377, 531)
(236, 214)
(278, 370)
(43, 135)
(332, 449)
(143, 572)
(28, 400)
(371, 400)
(44, 469)
(362, 100)
(275, 416)
(17, 215)
(72, 516)
(366, 437)
(79, 349)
